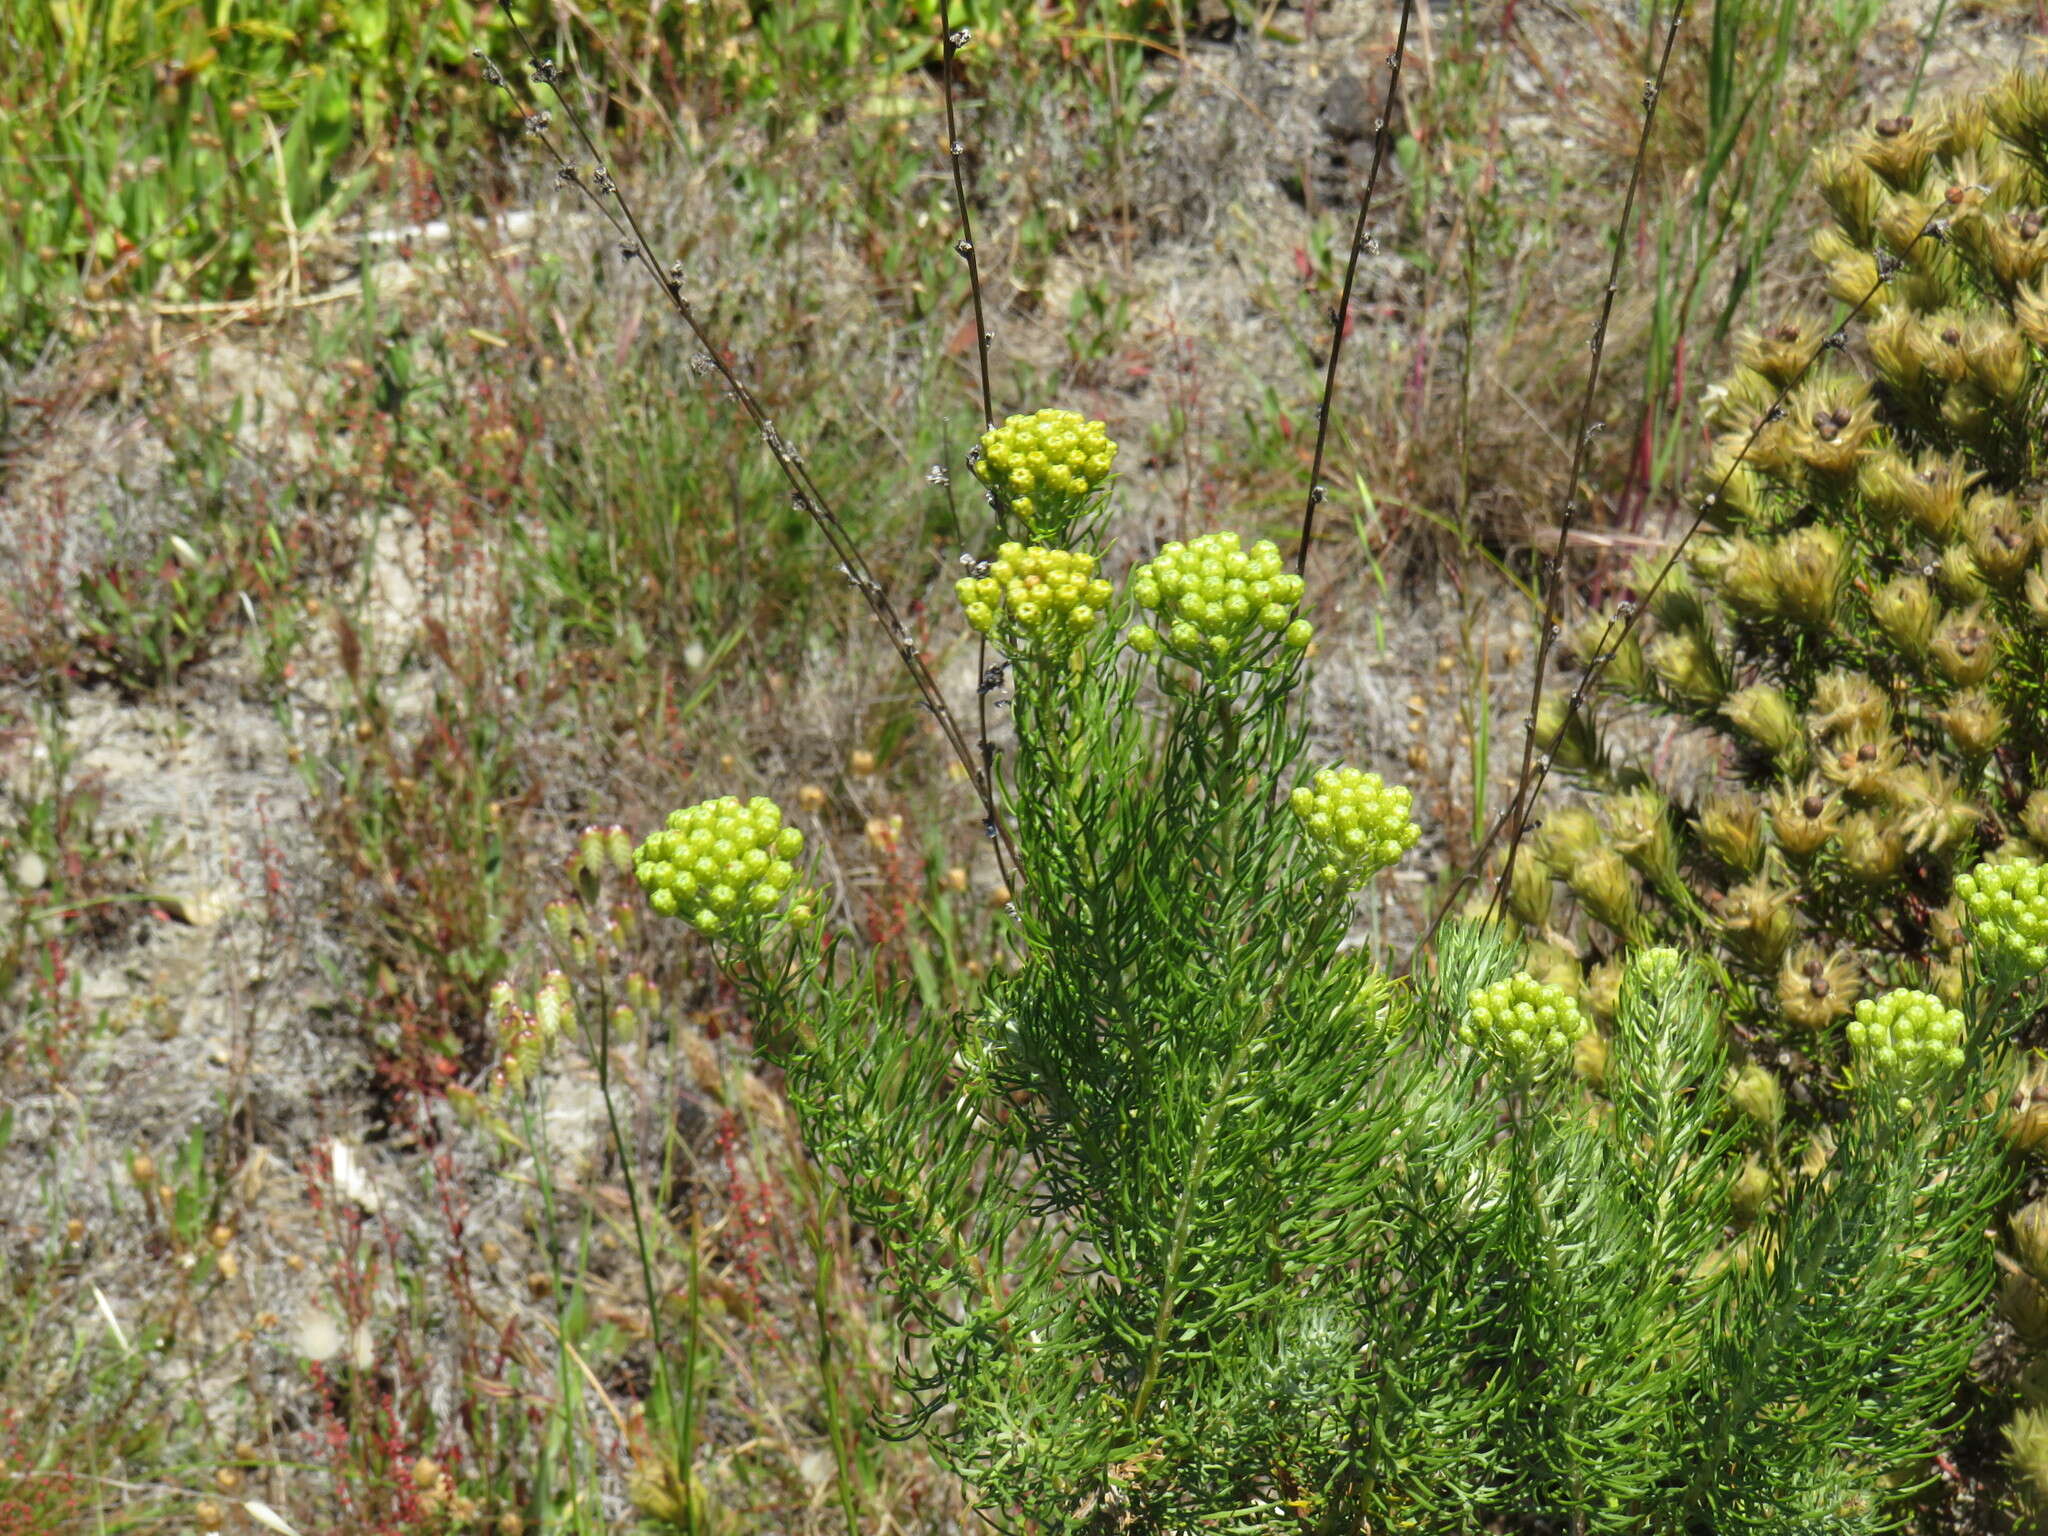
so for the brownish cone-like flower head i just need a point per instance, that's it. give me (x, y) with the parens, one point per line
(1689, 667)
(1606, 889)
(1530, 894)
(1907, 612)
(1852, 190)
(2001, 540)
(1975, 724)
(1567, 734)
(1899, 150)
(1756, 1093)
(1746, 575)
(1933, 814)
(1846, 702)
(1898, 345)
(2034, 817)
(1817, 986)
(1832, 419)
(1804, 819)
(1765, 717)
(1959, 576)
(1642, 831)
(1782, 352)
(1966, 647)
(1873, 847)
(1932, 495)
(1566, 833)
(2030, 1237)
(1997, 358)
(1730, 828)
(1860, 762)
(1757, 921)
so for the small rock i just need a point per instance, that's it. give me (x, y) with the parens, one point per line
(30, 871)
(1346, 109)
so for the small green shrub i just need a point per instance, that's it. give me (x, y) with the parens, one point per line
(1199, 1219)
(1864, 634)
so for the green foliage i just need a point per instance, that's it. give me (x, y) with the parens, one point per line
(188, 153)
(1198, 1219)
(1866, 632)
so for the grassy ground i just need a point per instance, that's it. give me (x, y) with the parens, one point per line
(375, 534)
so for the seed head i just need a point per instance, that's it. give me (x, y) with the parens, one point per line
(1731, 829)
(1606, 888)
(1688, 666)
(1765, 716)
(2030, 1236)
(1966, 647)
(1815, 987)
(1906, 611)
(1757, 921)
(1757, 1093)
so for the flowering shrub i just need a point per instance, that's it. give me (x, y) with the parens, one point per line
(1197, 1218)
(1864, 627)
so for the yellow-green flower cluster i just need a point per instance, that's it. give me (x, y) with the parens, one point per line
(2008, 906)
(1359, 824)
(1046, 464)
(1211, 596)
(718, 860)
(1033, 599)
(1905, 1040)
(1528, 1026)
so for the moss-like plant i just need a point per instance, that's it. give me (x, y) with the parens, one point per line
(1863, 624)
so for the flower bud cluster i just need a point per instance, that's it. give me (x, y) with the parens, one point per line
(2008, 907)
(1864, 501)
(1035, 601)
(717, 861)
(1906, 1040)
(1527, 1026)
(1045, 465)
(1214, 597)
(1356, 823)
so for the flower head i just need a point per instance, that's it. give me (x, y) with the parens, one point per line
(1215, 599)
(718, 860)
(1034, 601)
(1905, 1041)
(1359, 824)
(1046, 465)
(1527, 1026)
(2008, 906)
